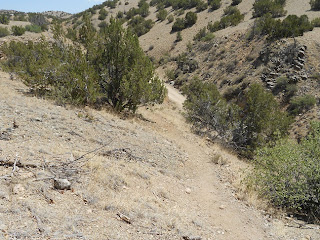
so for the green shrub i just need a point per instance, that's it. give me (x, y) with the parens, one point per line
(140, 26)
(208, 37)
(288, 174)
(179, 37)
(87, 32)
(71, 34)
(214, 4)
(255, 123)
(143, 8)
(33, 28)
(236, 2)
(4, 19)
(20, 17)
(262, 121)
(283, 84)
(201, 6)
(180, 12)
(206, 109)
(131, 13)
(316, 22)
(203, 35)
(59, 72)
(230, 10)
(170, 18)
(4, 32)
(102, 25)
(110, 4)
(18, 31)
(214, 27)
(315, 4)
(176, 4)
(114, 71)
(301, 103)
(162, 14)
(178, 25)
(127, 75)
(190, 19)
(102, 14)
(170, 74)
(273, 7)
(120, 15)
(38, 19)
(232, 17)
(291, 26)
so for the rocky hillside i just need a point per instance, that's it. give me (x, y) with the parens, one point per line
(163, 40)
(57, 14)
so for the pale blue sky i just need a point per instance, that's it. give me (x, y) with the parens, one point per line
(71, 6)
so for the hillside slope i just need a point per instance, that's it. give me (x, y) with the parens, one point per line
(154, 171)
(150, 176)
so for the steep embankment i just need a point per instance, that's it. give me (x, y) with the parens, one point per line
(155, 171)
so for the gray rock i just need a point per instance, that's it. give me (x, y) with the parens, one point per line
(4, 195)
(191, 238)
(304, 76)
(61, 184)
(301, 54)
(18, 189)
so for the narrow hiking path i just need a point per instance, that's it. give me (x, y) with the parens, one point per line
(156, 172)
(212, 184)
(175, 96)
(211, 196)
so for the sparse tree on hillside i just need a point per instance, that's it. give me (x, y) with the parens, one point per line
(18, 30)
(102, 14)
(4, 19)
(315, 4)
(38, 19)
(127, 75)
(57, 29)
(262, 120)
(190, 19)
(143, 8)
(215, 4)
(162, 14)
(87, 32)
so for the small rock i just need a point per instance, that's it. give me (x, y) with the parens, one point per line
(61, 184)
(304, 77)
(222, 207)
(2, 227)
(306, 238)
(191, 238)
(4, 195)
(18, 189)
(26, 175)
(188, 190)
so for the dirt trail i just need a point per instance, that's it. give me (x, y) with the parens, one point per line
(156, 172)
(212, 191)
(211, 198)
(175, 96)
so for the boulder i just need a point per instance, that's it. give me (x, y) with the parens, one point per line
(61, 184)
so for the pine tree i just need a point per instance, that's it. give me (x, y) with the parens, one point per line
(127, 75)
